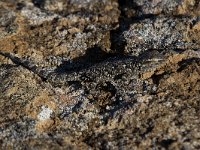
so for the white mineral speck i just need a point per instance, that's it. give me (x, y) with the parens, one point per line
(45, 113)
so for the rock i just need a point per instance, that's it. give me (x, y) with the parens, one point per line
(160, 33)
(39, 42)
(136, 8)
(99, 74)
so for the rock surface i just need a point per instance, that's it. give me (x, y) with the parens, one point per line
(90, 74)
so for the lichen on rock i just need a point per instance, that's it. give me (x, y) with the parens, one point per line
(90, 74)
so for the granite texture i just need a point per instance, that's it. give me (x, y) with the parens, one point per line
(90, 74)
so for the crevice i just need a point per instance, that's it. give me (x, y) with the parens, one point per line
(183, 64)
(20, 6)
(39, 3)
(24, 64)
(118, 42)
(166, 143)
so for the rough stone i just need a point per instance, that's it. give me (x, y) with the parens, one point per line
(136, 8)
(160, 33)
(89, 74)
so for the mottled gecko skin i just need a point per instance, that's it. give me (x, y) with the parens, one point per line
(110, 69)
(106, 70)
(116, 70)
(119, 76)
